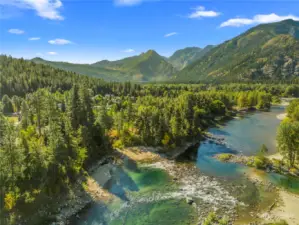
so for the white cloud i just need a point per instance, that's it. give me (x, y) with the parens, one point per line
(127, 2)
(257, 19)
(16, 31)
(200, 12)
(129, 50)
(34, 38)
(170, 34)
(52, 53)
(45, 8)
(59, 41)
(39, 54)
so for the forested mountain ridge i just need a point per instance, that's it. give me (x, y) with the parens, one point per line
(183, 57)
(86, 69)
(267, 51)
(20, 77)
(148, 66)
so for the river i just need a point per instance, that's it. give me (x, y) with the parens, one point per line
(147, 195)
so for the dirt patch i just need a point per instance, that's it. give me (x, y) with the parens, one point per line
(141, 154)
(97, 192)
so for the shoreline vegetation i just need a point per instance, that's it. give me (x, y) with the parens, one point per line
(271, 163)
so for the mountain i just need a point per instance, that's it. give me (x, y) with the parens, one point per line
(86, 69)
(20, 77)
(149, 66)
(183, 57)
(146, 66)
(267, 51)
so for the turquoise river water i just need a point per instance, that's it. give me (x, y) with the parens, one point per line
(137, 188)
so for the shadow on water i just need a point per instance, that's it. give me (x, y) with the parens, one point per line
(120, 180)
(117, 181)
(190, 155)
(129, 183)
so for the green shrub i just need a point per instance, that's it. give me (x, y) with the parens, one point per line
(224, 157)
(211, 219)
(276, 100)
(260, 162)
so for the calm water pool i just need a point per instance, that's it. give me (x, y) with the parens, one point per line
(244, 135)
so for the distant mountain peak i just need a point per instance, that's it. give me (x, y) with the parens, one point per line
(37, 59)
(151, 53)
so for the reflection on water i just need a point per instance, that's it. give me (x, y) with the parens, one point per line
(244, 135)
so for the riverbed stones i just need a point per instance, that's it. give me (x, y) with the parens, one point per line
(189, 200)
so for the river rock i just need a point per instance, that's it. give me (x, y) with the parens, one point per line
(189, 200)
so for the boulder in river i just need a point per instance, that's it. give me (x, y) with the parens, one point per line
(189, 200)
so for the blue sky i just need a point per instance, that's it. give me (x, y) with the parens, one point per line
(86, 31)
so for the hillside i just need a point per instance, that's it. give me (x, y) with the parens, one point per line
(149, 66)
(183, 57)
(86, 69)
(20, 77)
(268, 51)
(146, 66)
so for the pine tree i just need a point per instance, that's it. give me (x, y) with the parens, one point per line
(7, 104)
(75, 108)
(24, 115)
